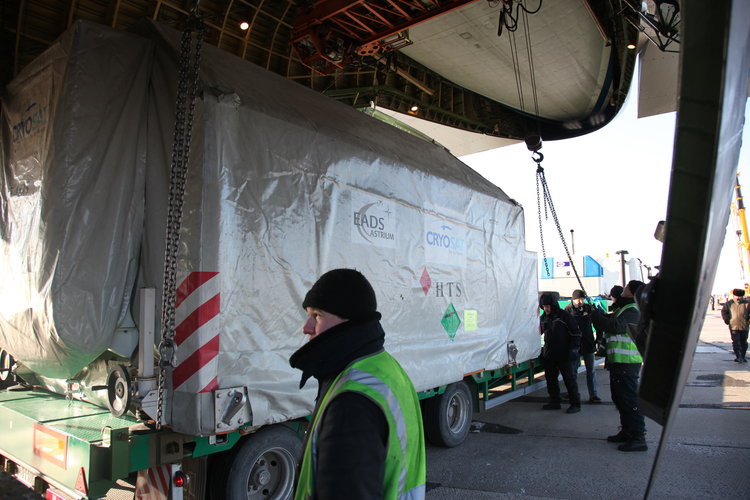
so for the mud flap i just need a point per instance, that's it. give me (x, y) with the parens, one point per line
(154, 483)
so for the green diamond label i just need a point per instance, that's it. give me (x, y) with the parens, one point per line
(450, 321)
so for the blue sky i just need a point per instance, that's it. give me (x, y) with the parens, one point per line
(611, 187)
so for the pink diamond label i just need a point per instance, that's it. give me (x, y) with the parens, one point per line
(425, 281)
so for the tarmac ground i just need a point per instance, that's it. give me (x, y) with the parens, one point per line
(516, 450)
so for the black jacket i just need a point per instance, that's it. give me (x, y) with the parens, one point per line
(562, 337)
(352, 440)
(582, 315)
(608, 323)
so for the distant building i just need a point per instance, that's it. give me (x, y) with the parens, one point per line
(557, 275)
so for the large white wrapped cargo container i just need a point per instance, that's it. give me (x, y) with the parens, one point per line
(283, 185)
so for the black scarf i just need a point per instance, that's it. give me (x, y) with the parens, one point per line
(622, 302)
(325, 356)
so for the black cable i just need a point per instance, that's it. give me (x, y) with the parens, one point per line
(516, 70)
(508, 20)
(532, 74)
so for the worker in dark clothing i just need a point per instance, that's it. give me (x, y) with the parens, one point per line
(581, 312)
(365, 438)
(614, 294)
(601, 347)
(736, 314)
(624, 365)
(562, 339)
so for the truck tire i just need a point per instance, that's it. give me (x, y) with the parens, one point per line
(263, 465)
(447, 418)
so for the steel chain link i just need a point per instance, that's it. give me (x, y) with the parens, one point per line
(548, 205)
(539, 217)
(187, 92)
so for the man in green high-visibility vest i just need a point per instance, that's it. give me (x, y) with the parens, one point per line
(365, 438)
(624, 365)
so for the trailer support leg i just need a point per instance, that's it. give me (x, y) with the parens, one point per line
(146, 379)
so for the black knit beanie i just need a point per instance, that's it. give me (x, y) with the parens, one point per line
(343, 292)
(635, 285)
(547, 299)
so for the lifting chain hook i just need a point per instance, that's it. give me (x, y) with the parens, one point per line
(537, 157)
(167, 353)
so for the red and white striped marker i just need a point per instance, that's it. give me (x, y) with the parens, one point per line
(153, 483)
(197, 308)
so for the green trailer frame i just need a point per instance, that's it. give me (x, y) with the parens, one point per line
(81, 450)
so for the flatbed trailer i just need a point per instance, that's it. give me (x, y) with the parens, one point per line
(42, 433)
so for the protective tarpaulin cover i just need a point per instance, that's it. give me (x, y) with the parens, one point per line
(72, 186)
(284, 184)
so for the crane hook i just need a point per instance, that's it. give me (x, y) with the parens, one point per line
(538, 158)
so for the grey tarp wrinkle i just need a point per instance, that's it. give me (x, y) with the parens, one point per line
(283, 185)
(74, 124)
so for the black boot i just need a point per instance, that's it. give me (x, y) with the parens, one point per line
(620, 437)
(637, 442)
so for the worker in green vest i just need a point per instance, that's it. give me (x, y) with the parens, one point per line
(624, 365)
(365, 438)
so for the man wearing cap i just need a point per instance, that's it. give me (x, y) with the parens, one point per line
(581, 312)
(614, 294)
(562, 339)
(365, 438)
(735, 314)
(624, 365)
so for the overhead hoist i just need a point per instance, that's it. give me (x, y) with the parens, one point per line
(544, 201)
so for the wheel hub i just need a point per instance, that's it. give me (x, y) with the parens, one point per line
(262, 477)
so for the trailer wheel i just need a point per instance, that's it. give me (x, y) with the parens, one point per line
(263, 466)
(447, 418)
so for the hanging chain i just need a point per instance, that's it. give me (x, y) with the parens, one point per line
(187, 92)
(546, 198)
(538, 161)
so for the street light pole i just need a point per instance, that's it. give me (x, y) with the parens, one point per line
(622, 254)
(572, 243)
